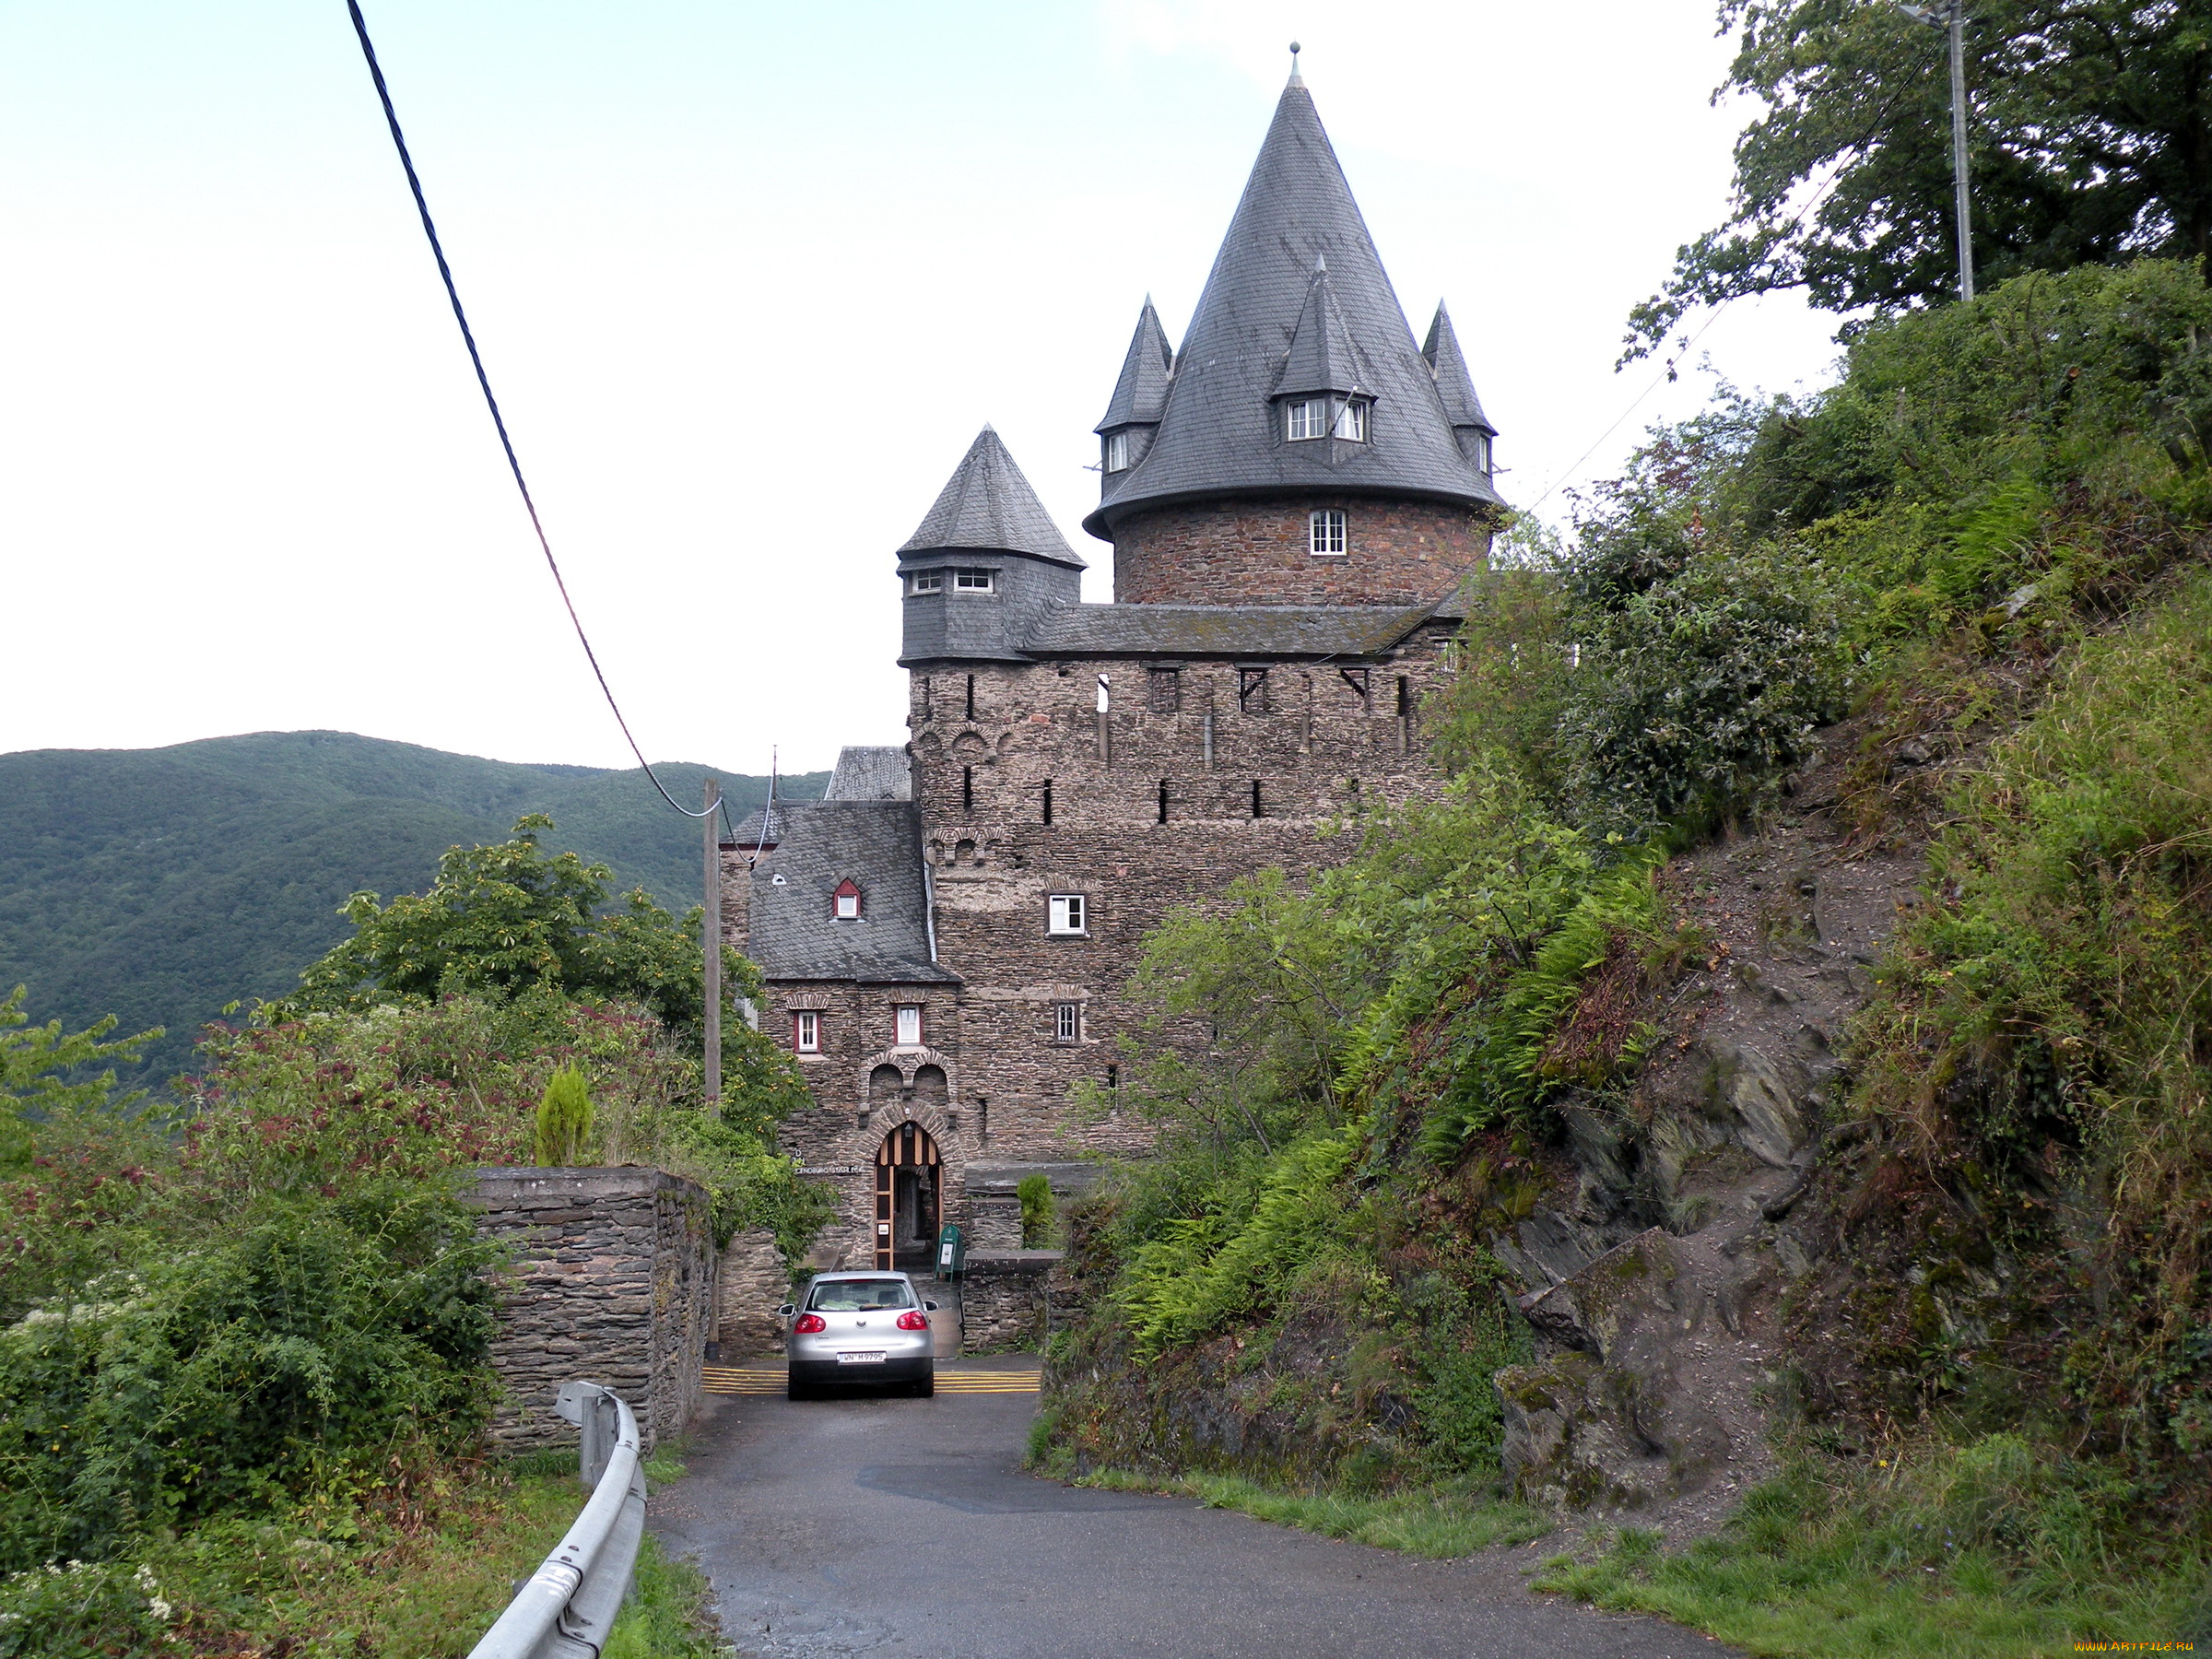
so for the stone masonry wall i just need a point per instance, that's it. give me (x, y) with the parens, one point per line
(1004, 1299)
(992, 1080)
(752, 1283)
(1259, 552)
(613, 1282)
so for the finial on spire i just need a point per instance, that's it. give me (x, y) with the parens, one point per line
(1294, 79)
(1320, 264)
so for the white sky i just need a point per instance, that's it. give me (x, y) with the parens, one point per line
(748, 279)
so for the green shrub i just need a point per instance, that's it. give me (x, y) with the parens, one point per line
(564, 1120)
(297, 1349)
(2045, 1026)
(1038, 1218)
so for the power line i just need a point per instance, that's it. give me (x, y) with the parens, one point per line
(422, 206)
(1667, 373)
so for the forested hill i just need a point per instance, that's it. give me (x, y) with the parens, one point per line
(159, 884)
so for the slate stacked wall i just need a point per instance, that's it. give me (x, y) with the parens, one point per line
(612, 1282)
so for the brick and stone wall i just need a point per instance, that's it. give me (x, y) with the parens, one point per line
(992, 1082)
(612, 1282)
(1258, 551)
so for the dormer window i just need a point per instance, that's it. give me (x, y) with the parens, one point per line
(926, 582)
(974, 582)
(846, 901)
(1310, 418)
(1117, 451)
(1478, 452)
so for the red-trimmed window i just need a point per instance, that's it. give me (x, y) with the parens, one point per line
(846, 901)
(806, 1032)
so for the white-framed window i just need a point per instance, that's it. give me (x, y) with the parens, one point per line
(926, 582)
(974, 582)
(846, 901)
(806, 1032)
(1478, 452)
(906, 1026)
(1308, 417)
(1067, 1022)
(1117, 451)
(1351, 421)
(1324, 532)
(1067, 913)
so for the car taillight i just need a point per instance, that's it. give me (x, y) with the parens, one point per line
(914, 1319)
(809, 1323)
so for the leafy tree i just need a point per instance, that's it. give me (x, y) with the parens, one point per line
(2089, 142)
(512, 917)
(564, 1120)
(35, 1061)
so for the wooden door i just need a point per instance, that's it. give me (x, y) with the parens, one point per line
(908, 1147)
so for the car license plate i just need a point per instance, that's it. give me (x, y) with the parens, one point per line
(860, 1358)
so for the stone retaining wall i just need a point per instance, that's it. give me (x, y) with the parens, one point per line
(1006, 1299)
(612, 1282)
(753, 1284)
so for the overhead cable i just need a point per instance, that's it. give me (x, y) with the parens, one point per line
(422, 206)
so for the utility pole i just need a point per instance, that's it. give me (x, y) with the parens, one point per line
(710, 933)
(1952, 18)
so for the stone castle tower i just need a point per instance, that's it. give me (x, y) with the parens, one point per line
(1294, 500)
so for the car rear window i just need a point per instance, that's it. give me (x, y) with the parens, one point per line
(860, 1296)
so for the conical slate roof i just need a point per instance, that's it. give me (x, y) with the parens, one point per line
(1220, 432)
(1454, 383)
(1142, 392)
(987, 505)
(1323, 357)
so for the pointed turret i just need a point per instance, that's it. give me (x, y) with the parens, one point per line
(1133, 413)
(1142, 391)
(986, 559)
(1322, 357)
(1298, 294)
(988, 505)
(1455, 386)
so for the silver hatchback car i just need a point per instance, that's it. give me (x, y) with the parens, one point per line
(860, 1327)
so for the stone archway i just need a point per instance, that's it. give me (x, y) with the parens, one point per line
(909, 1199)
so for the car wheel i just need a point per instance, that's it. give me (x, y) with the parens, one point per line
(924, 1388)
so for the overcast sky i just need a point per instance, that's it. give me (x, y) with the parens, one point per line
(748, 279)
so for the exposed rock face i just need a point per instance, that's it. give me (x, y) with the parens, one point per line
(1654, 1286)
(1619, 1418)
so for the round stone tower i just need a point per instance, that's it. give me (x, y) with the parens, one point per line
(1301, 449)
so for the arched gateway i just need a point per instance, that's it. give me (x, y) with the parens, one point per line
(906, 1199)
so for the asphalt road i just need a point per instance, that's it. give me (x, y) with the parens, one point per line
(906, 1527)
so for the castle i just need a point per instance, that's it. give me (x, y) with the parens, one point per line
(1293, 499)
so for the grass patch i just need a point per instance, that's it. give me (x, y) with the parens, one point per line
(414, 1569)
(1439, 1524)
(1990, 1550)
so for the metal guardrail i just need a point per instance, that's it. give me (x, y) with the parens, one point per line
(566, 1608)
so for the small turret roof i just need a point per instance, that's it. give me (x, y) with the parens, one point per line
(1323, 357)
(1215, 435)
(988, 506)
(1454, 383)
(1142, 392)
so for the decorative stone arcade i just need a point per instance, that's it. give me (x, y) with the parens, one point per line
(907, 1195)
